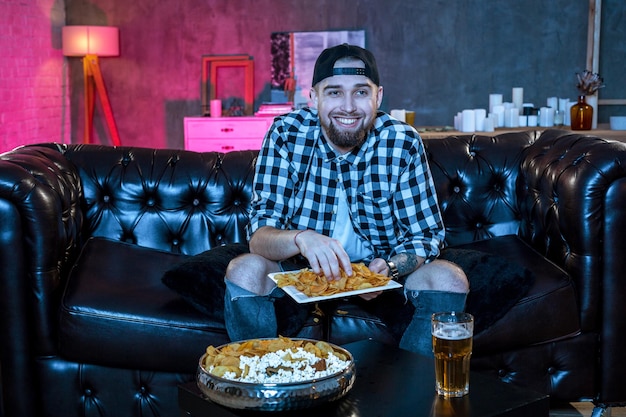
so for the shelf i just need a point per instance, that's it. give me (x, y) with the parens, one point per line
(603, 132)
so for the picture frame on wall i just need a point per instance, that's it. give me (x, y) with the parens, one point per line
(210, 83)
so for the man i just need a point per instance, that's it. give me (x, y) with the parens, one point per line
(341, 183)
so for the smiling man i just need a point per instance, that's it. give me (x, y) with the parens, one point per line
(339, 183)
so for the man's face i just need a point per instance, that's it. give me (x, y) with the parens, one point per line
(347, 106)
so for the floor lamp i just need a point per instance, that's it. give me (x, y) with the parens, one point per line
(91, 42)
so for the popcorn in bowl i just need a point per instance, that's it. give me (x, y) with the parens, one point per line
(275, 374)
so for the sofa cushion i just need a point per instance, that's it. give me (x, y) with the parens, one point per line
(496, 283)
(115, 311)
(199, 279)
(547, 312)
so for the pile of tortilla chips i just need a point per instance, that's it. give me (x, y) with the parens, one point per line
(313, 285)
(226, 358)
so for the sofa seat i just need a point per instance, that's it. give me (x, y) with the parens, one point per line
(551, 301)
(545, 314)
(116, 311)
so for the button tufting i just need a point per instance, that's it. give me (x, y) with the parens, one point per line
(551, 370)
(106, 198)
(143, 390)
(501, 373)
(127, 236)
(479, 225)
(175, 242)
(196, 202)
(457, 189)
(88, 392)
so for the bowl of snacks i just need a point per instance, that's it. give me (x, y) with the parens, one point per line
(276, 374)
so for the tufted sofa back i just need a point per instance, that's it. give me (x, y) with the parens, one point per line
(188, 202)
(178, 201)
(476, 179)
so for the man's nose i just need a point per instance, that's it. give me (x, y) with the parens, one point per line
(348, 103)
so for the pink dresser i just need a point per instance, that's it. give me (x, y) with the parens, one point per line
(225, 134)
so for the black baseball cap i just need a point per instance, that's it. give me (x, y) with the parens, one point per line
(326, 61)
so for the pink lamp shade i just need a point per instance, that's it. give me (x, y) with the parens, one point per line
(91, 40)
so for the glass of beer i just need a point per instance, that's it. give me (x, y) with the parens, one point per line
(452, 345)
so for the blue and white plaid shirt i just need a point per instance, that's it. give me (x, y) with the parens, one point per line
(389, 187)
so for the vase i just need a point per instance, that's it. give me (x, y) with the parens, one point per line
(581, 114)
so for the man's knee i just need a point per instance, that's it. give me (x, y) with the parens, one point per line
(438, 275)
(250, 271)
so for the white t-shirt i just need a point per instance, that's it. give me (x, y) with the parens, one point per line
(356, 247)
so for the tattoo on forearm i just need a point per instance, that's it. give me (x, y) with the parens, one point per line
(407, 262)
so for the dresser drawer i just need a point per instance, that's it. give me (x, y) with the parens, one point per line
(222, 145)
(227, 128)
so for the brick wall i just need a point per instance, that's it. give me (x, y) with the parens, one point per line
(34, 103)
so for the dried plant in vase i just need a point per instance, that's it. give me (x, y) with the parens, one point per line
(589, 82)
(582, 113)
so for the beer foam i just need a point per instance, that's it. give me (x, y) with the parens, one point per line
(452, 332)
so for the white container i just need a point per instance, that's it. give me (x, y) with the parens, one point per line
(618, 122)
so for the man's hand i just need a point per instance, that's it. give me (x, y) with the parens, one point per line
(378, 266)
(325, 254)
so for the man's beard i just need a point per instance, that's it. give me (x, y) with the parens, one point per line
(347, 139)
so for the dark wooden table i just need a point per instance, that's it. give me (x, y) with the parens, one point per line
(394, 382)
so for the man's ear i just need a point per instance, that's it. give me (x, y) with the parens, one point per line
(313, 96)
(379, 96)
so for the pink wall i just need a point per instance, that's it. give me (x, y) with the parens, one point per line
(431, 55)
(34, 101)
(155, 82)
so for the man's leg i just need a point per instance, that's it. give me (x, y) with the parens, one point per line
(249, 299)
(434, 287)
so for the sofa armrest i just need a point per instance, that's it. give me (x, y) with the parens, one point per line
(40, 219)
(564, 191)
(40, 192)
(572, 194)
(613, 326)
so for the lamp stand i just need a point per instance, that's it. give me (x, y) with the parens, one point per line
(94, 83)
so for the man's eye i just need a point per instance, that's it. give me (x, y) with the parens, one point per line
(362, 93)
(333, 93)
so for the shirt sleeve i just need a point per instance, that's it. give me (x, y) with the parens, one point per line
(418, 214)
(273, 182)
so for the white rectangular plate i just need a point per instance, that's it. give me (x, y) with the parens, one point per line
(302, 298)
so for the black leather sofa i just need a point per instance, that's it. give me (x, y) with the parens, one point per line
(86, 232)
